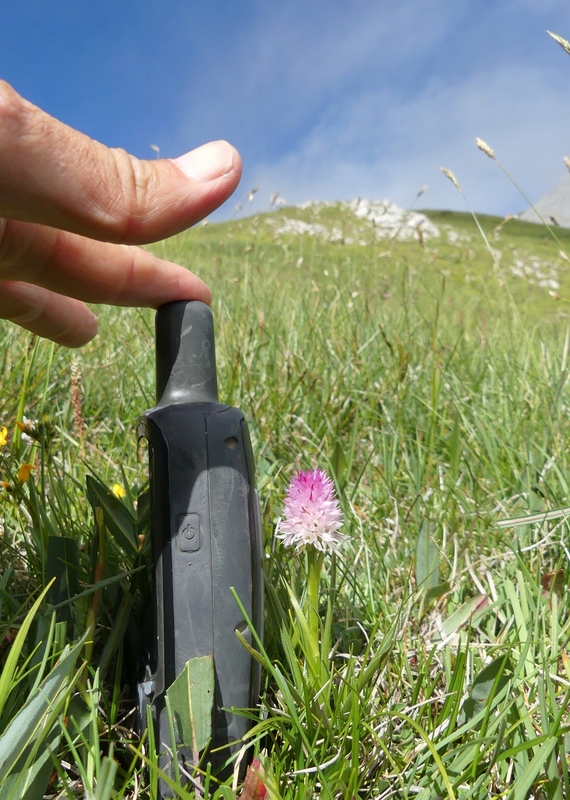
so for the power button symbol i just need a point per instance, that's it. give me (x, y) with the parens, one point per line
(188, 532)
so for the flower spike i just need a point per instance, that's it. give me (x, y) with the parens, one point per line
(311, 514)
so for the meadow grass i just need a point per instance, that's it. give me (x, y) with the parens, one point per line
(430, 380)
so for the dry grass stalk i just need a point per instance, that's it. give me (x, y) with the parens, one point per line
(498, 228)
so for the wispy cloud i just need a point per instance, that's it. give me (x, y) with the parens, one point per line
(329, 100)
(296, 59)
(379, 145)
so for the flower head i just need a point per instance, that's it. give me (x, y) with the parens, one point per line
(29, 430)
(311, 514)
(24, 473)
(118, 490)
(3, 435)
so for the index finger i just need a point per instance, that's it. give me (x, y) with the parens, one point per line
(92, 271)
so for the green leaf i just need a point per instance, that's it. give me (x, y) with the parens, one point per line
(32, 724)
(9, 670)
(30, 782)
(117, 633)
(62, 566)
(143, 521)
(527, 778)
(454, 450)
(427, 558)
(463, 614)
(485, 687)
(191, 698)
(118, 519)
(437, 591)
(106, 782)
(338, 462)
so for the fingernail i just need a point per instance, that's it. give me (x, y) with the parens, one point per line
(207, 162)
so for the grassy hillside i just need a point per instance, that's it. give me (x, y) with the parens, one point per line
(429, 377)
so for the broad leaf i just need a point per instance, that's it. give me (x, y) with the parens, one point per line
(7, 676)
(486, 686)
(474, 606)
(427, 559)
(31, 782)
(32, 724)
(118, 519)
(191, 698)
(62, 565)
(339, 463)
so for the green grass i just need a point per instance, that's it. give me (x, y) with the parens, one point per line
(431, 382)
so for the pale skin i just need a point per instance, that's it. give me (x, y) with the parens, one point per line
(72, 212)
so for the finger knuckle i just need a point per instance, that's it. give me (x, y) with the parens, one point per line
(21, 303)
(126, 277)
(16, 247)
(132, 202)
(6, 246)
(20, 123)
(3, 226)
(10, 102)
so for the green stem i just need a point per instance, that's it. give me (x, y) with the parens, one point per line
(42, 424)
(315, 563)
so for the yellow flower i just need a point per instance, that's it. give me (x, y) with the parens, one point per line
(3, 435)
(24, 472)
(118, 490)
(29, 429)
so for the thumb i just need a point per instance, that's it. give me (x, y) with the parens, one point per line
(54, 175)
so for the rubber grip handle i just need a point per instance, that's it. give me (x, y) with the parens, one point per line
(206, 541)
(185, 354)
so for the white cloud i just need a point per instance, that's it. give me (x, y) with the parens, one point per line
(377, 145)
(334, 100)
(297, 58)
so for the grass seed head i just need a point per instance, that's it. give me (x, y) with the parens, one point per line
(449, 174)
(562, 42)
(76, 399)
(482, 145)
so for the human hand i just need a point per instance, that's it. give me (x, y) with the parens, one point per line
(71, 210)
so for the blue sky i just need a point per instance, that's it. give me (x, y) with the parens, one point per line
(325, 99)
